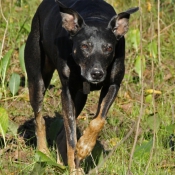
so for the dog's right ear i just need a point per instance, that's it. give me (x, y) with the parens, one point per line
(119, 24)
(71, 20)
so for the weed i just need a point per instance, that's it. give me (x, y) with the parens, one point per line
(147, 93)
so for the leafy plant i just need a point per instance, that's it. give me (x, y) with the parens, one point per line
(144, 148)
(3, 123)
(134, 38)
(159, 77)
(41, 161)
(4, 64)
(22, 63)
(153, 122)
(14, 83)
(153, 49)
(139, 65)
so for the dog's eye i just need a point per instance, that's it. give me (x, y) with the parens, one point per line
(84, 46)
(109, 49)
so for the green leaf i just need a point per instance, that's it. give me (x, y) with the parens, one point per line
(153, 49)
(138, 66)
(49, 160)
(170, 128)
(134, 36)
(21, 58)
(153, 122)
(149, 98)
(1, 93)
(144, 148)
(4, 63)
(14, 83)
(3, 122)
(44, 158)
(27, 27)
(22, 62)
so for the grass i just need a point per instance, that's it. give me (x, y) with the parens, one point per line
(151, 154)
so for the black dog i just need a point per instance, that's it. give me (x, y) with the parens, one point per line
(83, 40)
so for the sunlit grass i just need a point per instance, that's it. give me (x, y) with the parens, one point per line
(126, 108)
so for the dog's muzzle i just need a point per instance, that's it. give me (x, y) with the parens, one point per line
(94, 75)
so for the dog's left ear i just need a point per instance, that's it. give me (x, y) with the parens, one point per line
(71, 20)
(119, 24)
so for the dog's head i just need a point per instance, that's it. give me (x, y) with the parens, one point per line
(93, 43)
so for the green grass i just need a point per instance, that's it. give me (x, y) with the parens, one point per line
(157, 119)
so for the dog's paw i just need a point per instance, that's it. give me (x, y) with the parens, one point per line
(78, 171)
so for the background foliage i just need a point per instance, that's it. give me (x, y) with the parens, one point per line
(146, 97)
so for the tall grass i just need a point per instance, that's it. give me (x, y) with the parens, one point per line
(139, 132)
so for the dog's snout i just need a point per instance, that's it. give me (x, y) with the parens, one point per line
(97, 74)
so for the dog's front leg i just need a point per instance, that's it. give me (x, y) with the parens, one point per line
(88, 140)
(70, 127)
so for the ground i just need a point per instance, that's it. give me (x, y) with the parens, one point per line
(147, 95)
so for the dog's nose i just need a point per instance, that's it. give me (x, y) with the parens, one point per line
(97, 74)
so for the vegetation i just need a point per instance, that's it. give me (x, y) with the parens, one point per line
(138, 137)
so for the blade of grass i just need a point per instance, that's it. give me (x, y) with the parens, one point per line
(5, 31)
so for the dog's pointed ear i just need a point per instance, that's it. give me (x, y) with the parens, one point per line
(71, 20)
(119, 24)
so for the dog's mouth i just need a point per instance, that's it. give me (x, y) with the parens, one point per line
(96, 82)
(90, 80)
(87, 81)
